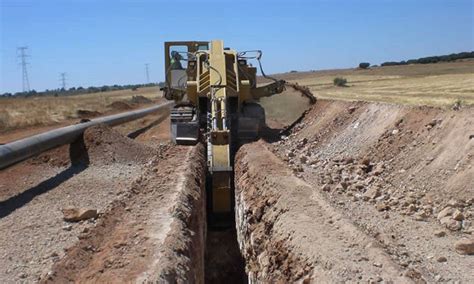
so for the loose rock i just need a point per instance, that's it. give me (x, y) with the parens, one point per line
(458, 216)
(78, 214)
(372, 193)
(448, 211)
(465, 246)
(450, 223)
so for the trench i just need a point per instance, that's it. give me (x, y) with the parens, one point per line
(223, 260)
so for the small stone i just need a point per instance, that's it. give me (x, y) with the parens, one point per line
(421, 216)
(450, 223)
(326, 188)
(78, 214)
(67, 228)
(457, 215)
(382, 207)
(464, 246)
(23, 275)
(441, 259)
(372, 193)
(377, 264)
(448, 211)
(440, 234)
(395, 131)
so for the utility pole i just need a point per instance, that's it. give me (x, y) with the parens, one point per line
(63, 80)
(22, 55)
(147, 73)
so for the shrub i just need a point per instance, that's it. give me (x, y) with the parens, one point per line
(364, 65)
(340, 82)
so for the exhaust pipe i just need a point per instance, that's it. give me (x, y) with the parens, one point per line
(22, 149)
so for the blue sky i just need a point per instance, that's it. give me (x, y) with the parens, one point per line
(102, 42)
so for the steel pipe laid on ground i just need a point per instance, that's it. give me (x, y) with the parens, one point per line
(22, 149)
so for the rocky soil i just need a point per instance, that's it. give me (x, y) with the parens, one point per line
(401, 175)
(108, 208)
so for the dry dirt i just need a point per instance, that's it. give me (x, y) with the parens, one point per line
(352, 192)
(355, 192)
(148, 194)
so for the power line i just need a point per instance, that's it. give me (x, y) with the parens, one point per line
(63, 80)
(147, 73)
(25, 81)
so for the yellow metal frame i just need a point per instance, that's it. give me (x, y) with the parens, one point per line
(218, 75)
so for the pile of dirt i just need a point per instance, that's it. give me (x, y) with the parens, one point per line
(155, 231)
(87, 114)
(404, 173)
(106, 145)
(140, 100)
(288, 233)
(120, 105)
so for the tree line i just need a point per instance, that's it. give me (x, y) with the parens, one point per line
(432, 59)
(80, 90)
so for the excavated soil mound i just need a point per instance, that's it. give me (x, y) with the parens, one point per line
(99, 145)
(86, 114)
(154, 233)
(105, 145)
(402, 175)
(140, 100)
(120, 105)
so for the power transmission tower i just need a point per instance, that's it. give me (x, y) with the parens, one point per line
(22, 55)
(147, 73)
(63, 80)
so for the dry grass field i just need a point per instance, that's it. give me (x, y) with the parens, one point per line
(17, 113)
(440, 84)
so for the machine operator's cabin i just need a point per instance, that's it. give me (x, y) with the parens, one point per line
(178, 55)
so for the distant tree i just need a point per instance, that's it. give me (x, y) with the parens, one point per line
(340, 82)
(364, 65)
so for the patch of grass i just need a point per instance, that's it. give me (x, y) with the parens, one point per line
(340, 82)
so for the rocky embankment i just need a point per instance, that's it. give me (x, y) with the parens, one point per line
(401, 175)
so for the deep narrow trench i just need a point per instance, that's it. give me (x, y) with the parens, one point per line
(223, 261)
